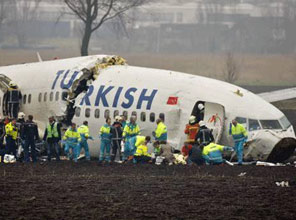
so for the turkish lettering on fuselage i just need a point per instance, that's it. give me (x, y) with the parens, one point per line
(129, 94)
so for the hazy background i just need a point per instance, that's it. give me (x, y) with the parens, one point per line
(247, 42)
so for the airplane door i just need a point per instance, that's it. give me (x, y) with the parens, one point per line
(214, 117)
(4, 85)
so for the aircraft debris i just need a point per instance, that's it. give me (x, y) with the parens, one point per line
(242, 174)
(81, 85)
(258, 148)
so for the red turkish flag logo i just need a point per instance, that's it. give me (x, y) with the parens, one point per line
(172, 100)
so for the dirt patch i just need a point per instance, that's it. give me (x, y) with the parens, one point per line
(87, 191)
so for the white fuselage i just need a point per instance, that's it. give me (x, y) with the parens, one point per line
(136, 90)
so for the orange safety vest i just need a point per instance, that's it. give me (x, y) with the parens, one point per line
(191, 131)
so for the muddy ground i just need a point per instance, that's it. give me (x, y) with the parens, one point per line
(87, 191)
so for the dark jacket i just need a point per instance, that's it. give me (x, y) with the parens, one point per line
(204, 136)
(30, 131)
(20, 126)
(116, 131)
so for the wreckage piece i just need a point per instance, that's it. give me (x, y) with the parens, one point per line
(282, 150)
(269, 146)
(81, 85)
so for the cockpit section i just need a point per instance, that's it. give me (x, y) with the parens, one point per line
(268, 139)
(269, 124)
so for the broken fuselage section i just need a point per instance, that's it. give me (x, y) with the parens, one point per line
(79, 82)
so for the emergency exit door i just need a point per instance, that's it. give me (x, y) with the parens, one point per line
(4, 85)
(214, 117)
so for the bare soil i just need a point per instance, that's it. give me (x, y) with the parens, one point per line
(87, 191)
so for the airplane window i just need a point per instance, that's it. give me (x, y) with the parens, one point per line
(57, 96)
(270, 124)
(107, 114)
(162, 116)
(45, 97)
(87, 112)
(134, 114)
(125, 114)
(143, 116)
(254, 125)
(51, 96)
(64, 96)
(152, 117)
(77, 111)
(241, 120)
(24, 99)
(40, 97)
(285, 122)
(97, 113)
(29, 98)
(116, 112)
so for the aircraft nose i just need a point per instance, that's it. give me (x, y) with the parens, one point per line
(282, 150)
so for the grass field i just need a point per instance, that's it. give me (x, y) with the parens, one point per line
(277, 70)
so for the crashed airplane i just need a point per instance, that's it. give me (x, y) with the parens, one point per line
(95, 87)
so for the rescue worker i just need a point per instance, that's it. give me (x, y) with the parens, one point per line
(105, 134)
(116, 138)
(11, 136)
(212, 153)
(160, 133)
(20, 126)
(130, 130)
(72, 139)
(52, 136)
(191, 129)
(195, 155)
(83, 131)
(204, 135)
(201, 112)
(12, 100)
(123, 121)
(2, 133)
(141, 155)
(240, 136)
(136, 141)
(166, 151)
(30, 135)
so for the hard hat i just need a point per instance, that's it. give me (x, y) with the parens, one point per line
(11, 84)
(202, 123)
(117, 118)
(192, 119)
(200, 106)
(21, 115)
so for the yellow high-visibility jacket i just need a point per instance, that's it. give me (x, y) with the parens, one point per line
(131, 130)
(11, 130)
(160, 130)
(83, 130)
(238, 132)
(140, 140)
(142, 150)
(212, 147)
(72, 135)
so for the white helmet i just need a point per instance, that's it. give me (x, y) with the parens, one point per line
(11, 84)
(202, 123)
(192, 119)
(117, 118)
(200, 106)
(21, 115)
